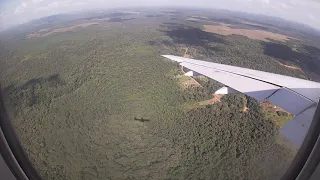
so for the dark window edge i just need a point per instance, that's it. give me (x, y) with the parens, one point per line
(11, 149)
(307, 158)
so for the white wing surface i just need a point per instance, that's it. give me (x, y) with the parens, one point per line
(296, 96)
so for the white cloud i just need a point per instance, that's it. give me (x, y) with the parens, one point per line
(265, 1)
(1, 17)
(20, 8)
(283, 5)
(59, 6)
(254, 1)
(310, 16)
(37, 1)
(297, 3)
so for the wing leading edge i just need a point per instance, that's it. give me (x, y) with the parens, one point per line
(296, 96)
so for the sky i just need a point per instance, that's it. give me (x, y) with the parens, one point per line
(14, 12)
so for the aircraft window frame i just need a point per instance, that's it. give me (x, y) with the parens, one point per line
(308, 156)
(11, 149)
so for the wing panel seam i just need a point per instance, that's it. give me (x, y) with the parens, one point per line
(249, 77)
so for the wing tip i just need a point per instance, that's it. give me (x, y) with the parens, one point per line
(174, 58)
(167, 56)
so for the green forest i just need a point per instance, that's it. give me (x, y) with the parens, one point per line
(99, 102)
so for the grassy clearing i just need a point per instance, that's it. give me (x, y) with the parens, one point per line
(226, 29)
(48, 31)
(276, 114)
(182, 79)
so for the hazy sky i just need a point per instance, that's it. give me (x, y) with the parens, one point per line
(19, 11)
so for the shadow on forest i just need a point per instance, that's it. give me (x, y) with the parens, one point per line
(237, 24)
(52, 80)
(141, 119)
(112, 15)
(257, 27)
(194, 21)
(251, 27)
(51, 18)
(191, 36)
(173, 12)
(224, 20)
(163, 42)
(115, 14)
(166, 42)
(171, 25)
(312, 50)
(30, 90)
(306, 59)
(152, 43)
(157, 15)
(119, 19)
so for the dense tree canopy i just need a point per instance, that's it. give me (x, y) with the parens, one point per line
(101, 103)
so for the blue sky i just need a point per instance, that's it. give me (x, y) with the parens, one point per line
(20, 11)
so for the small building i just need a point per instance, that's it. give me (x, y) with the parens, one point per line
(226, 90)
(192, 73)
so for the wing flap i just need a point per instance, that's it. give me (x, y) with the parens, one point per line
(308, 89)
(296, 129)
(251, 87)
(297, 96)
(290, 101)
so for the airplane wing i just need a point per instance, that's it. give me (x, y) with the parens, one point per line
(297, 96)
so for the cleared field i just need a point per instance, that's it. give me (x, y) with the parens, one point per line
(291, 67)
(48, 31)
(278, 115)
(253, 24)
(303, 75)
(225, 29)
(216, 98)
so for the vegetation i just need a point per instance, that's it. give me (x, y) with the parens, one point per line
(101, 103)
(244, 52)
(209, 84)
(225, 143)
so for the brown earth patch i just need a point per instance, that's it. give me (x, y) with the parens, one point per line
(226, 29)
(290, 67)
(190, 83)
(253, 24)
(200, 17)
(272, 110)
(294, 68)
(186, 55)
(220, 24)
(271, 107)
(47, 31)
(192, 19)
(216, 98)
